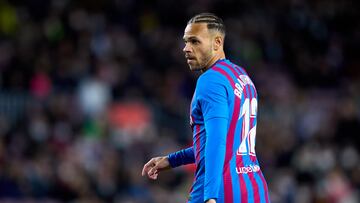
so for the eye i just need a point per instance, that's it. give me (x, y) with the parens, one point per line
(194, 41)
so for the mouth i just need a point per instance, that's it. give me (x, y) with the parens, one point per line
(189, 58)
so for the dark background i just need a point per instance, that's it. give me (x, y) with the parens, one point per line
(90, 90)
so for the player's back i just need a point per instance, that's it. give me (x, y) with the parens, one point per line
(242, 179)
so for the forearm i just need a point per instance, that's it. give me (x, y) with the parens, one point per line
(182, 157)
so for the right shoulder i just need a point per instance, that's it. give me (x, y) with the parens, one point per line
(212, 83)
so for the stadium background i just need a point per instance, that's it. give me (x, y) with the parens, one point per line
(90, 90)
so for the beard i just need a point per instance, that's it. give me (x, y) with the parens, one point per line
(201, 63)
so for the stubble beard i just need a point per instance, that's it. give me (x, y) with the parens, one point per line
(202, 63)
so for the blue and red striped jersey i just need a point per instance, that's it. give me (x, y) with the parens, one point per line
(223, 120)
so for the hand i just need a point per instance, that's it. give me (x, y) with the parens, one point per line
(211, 201)
(154, 166)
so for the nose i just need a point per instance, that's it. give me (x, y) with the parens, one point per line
(187, 48)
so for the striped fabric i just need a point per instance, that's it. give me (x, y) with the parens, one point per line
(241, 179)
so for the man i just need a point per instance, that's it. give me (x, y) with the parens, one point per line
(223, 119)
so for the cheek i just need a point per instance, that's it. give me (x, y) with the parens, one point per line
(201, 52)
(205, 53)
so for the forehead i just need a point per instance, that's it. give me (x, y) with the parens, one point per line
(196, 30)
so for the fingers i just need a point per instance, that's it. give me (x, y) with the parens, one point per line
(153, 170)
(153, 175)
(150, 169)
(147, 167)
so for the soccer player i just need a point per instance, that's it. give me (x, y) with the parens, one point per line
(223, 120)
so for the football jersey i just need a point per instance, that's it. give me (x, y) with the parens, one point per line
(223, 116)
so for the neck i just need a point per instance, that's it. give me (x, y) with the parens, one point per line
(213, 60)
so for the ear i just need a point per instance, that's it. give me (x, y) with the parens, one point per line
(218, 41)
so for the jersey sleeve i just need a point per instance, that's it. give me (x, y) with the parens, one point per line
(212, 95)
(214, 105)
(182, 157)
(216, 130)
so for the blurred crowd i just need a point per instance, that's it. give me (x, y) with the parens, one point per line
(90, 90)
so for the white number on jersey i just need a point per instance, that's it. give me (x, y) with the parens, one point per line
(248, 111)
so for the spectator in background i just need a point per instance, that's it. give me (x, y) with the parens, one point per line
(48, 48)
